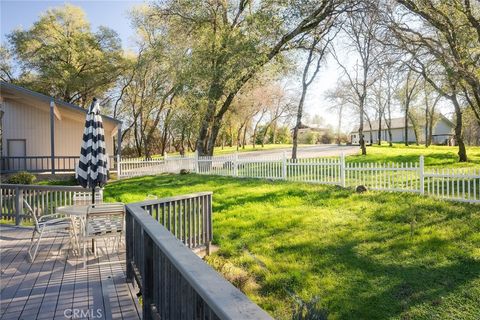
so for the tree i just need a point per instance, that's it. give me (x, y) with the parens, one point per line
(61, 56)
(361, 29)
(406, 95)
(231, 42)
(6, 65)
(343, 98)
(451, 33)
(433, 53)
(431, 101)
(316, 51)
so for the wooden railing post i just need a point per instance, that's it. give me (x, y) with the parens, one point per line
(18, 205)
(284, 166)
(129, 246)
(148, 278)
(209, 219)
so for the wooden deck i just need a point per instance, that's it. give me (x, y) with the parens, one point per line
(55, 288)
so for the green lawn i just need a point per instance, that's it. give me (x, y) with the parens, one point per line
(435, 156)
(370, 256)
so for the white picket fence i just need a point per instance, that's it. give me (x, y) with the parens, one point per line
(452, 184)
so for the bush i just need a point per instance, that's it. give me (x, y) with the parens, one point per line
(327, 138)
(22, 178)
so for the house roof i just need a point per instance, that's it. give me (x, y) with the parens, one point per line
(313, 127)
(6, 87)
(396, 123)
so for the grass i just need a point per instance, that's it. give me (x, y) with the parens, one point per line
(435, 156)
(367, 256)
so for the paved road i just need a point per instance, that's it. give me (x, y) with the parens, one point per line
(305, 152)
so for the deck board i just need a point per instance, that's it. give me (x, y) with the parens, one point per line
(55, 284)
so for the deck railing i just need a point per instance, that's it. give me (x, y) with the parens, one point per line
(44, 164)
(42, 199)
(174, 282)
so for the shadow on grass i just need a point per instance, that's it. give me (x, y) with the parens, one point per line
(403, 285)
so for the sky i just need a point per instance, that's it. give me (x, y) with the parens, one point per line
(114, 14)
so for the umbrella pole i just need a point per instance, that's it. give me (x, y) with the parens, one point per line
(93, 202)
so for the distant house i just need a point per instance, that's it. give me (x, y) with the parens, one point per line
(308, 132)
(442, 132)
(40, 133)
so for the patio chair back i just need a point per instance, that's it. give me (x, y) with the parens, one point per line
(85, 197)
(106, 219)
(31, 213)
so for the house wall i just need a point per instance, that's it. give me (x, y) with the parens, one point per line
(32, 123)
(442, 127)
(69, 133)
(21, 121)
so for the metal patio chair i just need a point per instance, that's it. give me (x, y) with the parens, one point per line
(103, 221)
(47, 224)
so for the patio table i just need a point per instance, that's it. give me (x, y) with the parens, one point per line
(78, 213)
(74, 211)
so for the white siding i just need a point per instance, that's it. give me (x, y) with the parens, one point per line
(442, 127)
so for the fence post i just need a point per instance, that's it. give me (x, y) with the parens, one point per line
(284, 166)
(118, 166)
(421, 171)
(235, 165)
(196, 161)
(342, 170)
(18, 205)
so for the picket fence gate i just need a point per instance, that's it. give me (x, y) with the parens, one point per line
(452, 184)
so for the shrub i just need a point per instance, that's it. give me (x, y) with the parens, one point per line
(327, 138)
(22, 178)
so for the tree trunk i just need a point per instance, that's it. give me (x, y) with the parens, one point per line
(462, 152)
(165, 132)
(203, 133)
(380, 129)
(430, 130)
(299, 122)
(360, 127)
(427, 116)
(339, 130)
(406, 124)
(244, 142)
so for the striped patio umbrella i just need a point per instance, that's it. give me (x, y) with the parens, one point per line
(92, 168)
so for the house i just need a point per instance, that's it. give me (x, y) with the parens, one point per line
(40, 133)
(310, 134)
(442, 132)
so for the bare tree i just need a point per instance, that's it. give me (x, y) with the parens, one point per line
(316, 52)
(361, 28)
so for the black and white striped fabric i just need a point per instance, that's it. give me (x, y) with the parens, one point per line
(92, 168)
